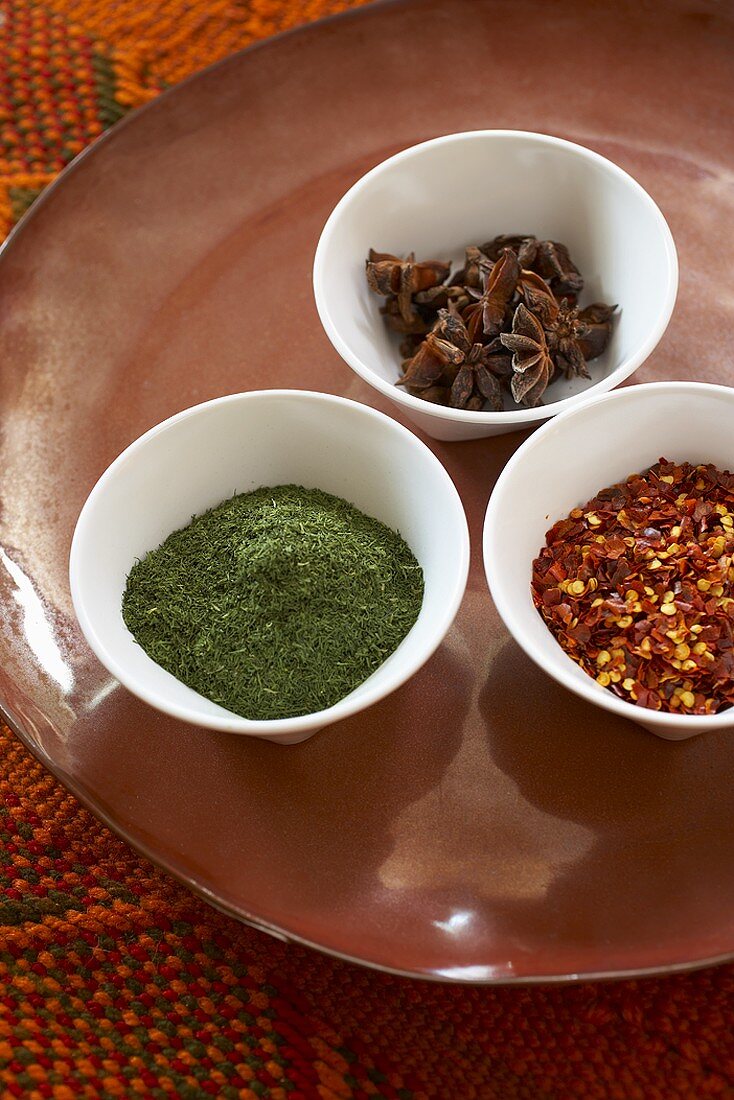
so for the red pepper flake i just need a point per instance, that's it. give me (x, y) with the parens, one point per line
(637, 586)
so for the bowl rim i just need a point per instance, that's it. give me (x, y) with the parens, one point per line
(510, 416)
(229, 722)
(505, 605)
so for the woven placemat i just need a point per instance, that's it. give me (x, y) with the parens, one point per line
(115, 981)
(71, 68)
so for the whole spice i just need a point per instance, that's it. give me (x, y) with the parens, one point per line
(448, 360)
(506, 320)
(638, 587)
(401, 279)
(275, 603)
(532, 365)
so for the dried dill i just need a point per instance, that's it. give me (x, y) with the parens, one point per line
(275, 603)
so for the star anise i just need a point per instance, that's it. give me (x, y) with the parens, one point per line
(499, 359)
(572, 335)
(553, 262)
(564, 340)
(549, 259)
(388, 275)
(532, 365)
(437, 395)
(415, 325)
(437, 360)
(438, 297)
(525, 247)
(409, 345)
(430, 366)
(598, 321)
(508, 318)
(448, 358)
(562, 331)
(475, 270)
(427, 303)
(534, 290)
(475, 384)
(486, 316)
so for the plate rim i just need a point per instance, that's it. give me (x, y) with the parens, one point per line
(231, 58)
(285, 936)
(88, 802)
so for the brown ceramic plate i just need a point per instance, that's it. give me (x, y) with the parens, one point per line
(481, 824)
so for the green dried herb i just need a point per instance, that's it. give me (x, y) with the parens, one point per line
(275, 603)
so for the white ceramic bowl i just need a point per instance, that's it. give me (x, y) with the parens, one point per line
(563, 465)
(438, 197)
(191, 462)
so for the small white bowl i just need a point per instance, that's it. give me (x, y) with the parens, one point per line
(197, 458)
(566, 463)
(438, 197)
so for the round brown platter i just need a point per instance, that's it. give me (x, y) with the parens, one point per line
(481, 824)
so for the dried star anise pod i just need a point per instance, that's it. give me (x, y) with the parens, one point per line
(548, 259)
(389, 275)
(531, 361)
(598, 321)
(438, 297)
(449, 349)
(417, 325)
(477, 267)
(534, 290)
(499, 359)
(525, 247)
(563, 337)
(475, 384)
(572, 335)
(437, 360)
(409, 345)
(437, 395)
(430, 366)
(507, 318)
(486, 316)
(561, 326)
(553, 262)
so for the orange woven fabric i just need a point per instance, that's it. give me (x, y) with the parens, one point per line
(71, 68)
(114, 980)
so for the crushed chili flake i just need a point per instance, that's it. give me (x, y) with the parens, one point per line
(637, 586)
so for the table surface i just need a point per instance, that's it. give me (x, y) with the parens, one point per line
(115, 980)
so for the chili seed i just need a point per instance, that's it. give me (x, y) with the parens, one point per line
(652, 587)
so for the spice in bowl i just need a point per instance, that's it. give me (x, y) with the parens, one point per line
(507, 321)
(637, 586)
(275, 603)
